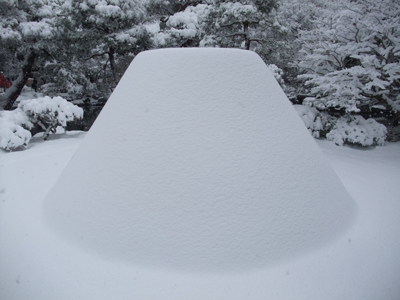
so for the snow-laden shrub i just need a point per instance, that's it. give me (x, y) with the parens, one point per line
(44, 113)
(350, 55)
(357, 130)
(13, 129)
(278, 73)
(347, 129)
(317, 123)
(49, 113)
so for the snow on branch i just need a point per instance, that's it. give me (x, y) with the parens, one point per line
(46, 113)
(50, 113)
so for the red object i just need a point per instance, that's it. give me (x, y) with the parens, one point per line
(8, 84)
(2, 80)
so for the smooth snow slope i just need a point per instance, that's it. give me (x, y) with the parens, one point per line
(35, 264)
(198, 162)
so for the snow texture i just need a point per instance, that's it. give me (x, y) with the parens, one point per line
(37, 265)
(198, 162)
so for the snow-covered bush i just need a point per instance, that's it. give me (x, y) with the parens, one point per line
(42, 114)
(49, 113)
(278, 73)
(351, 129)
(357, 130)
(317, 123)
(13, 129)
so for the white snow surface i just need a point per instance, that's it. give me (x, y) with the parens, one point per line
(198, 163)
(363, 263)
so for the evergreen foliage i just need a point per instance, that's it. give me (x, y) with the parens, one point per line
(343, 56)
(351, 58)
(27, 37)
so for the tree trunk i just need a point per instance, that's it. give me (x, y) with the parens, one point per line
(15, 90)
(246, 37)
(112, 65)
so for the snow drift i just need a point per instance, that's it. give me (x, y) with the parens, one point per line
(199, 162)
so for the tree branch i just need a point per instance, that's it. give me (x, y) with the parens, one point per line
(95, 55)
(240, 22)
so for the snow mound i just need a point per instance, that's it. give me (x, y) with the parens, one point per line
(198, 161)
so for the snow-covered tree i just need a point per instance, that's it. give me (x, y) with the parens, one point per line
(102, 33)
(295, 16)
(77, 47)
(177, 23)
(240, 23)
(246, 24)
(351, 58)
(186, 28)
(27, 34)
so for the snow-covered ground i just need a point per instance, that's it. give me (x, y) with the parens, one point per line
(363, 263)
(211, 196)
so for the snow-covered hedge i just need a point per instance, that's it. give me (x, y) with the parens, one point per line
(44, 113)
(357, 130)
(352, 129)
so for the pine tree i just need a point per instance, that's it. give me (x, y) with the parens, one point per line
(103, 34)
(352, 57)
(27, 36)
(294, 16)
(179, 22)
(239, 24)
